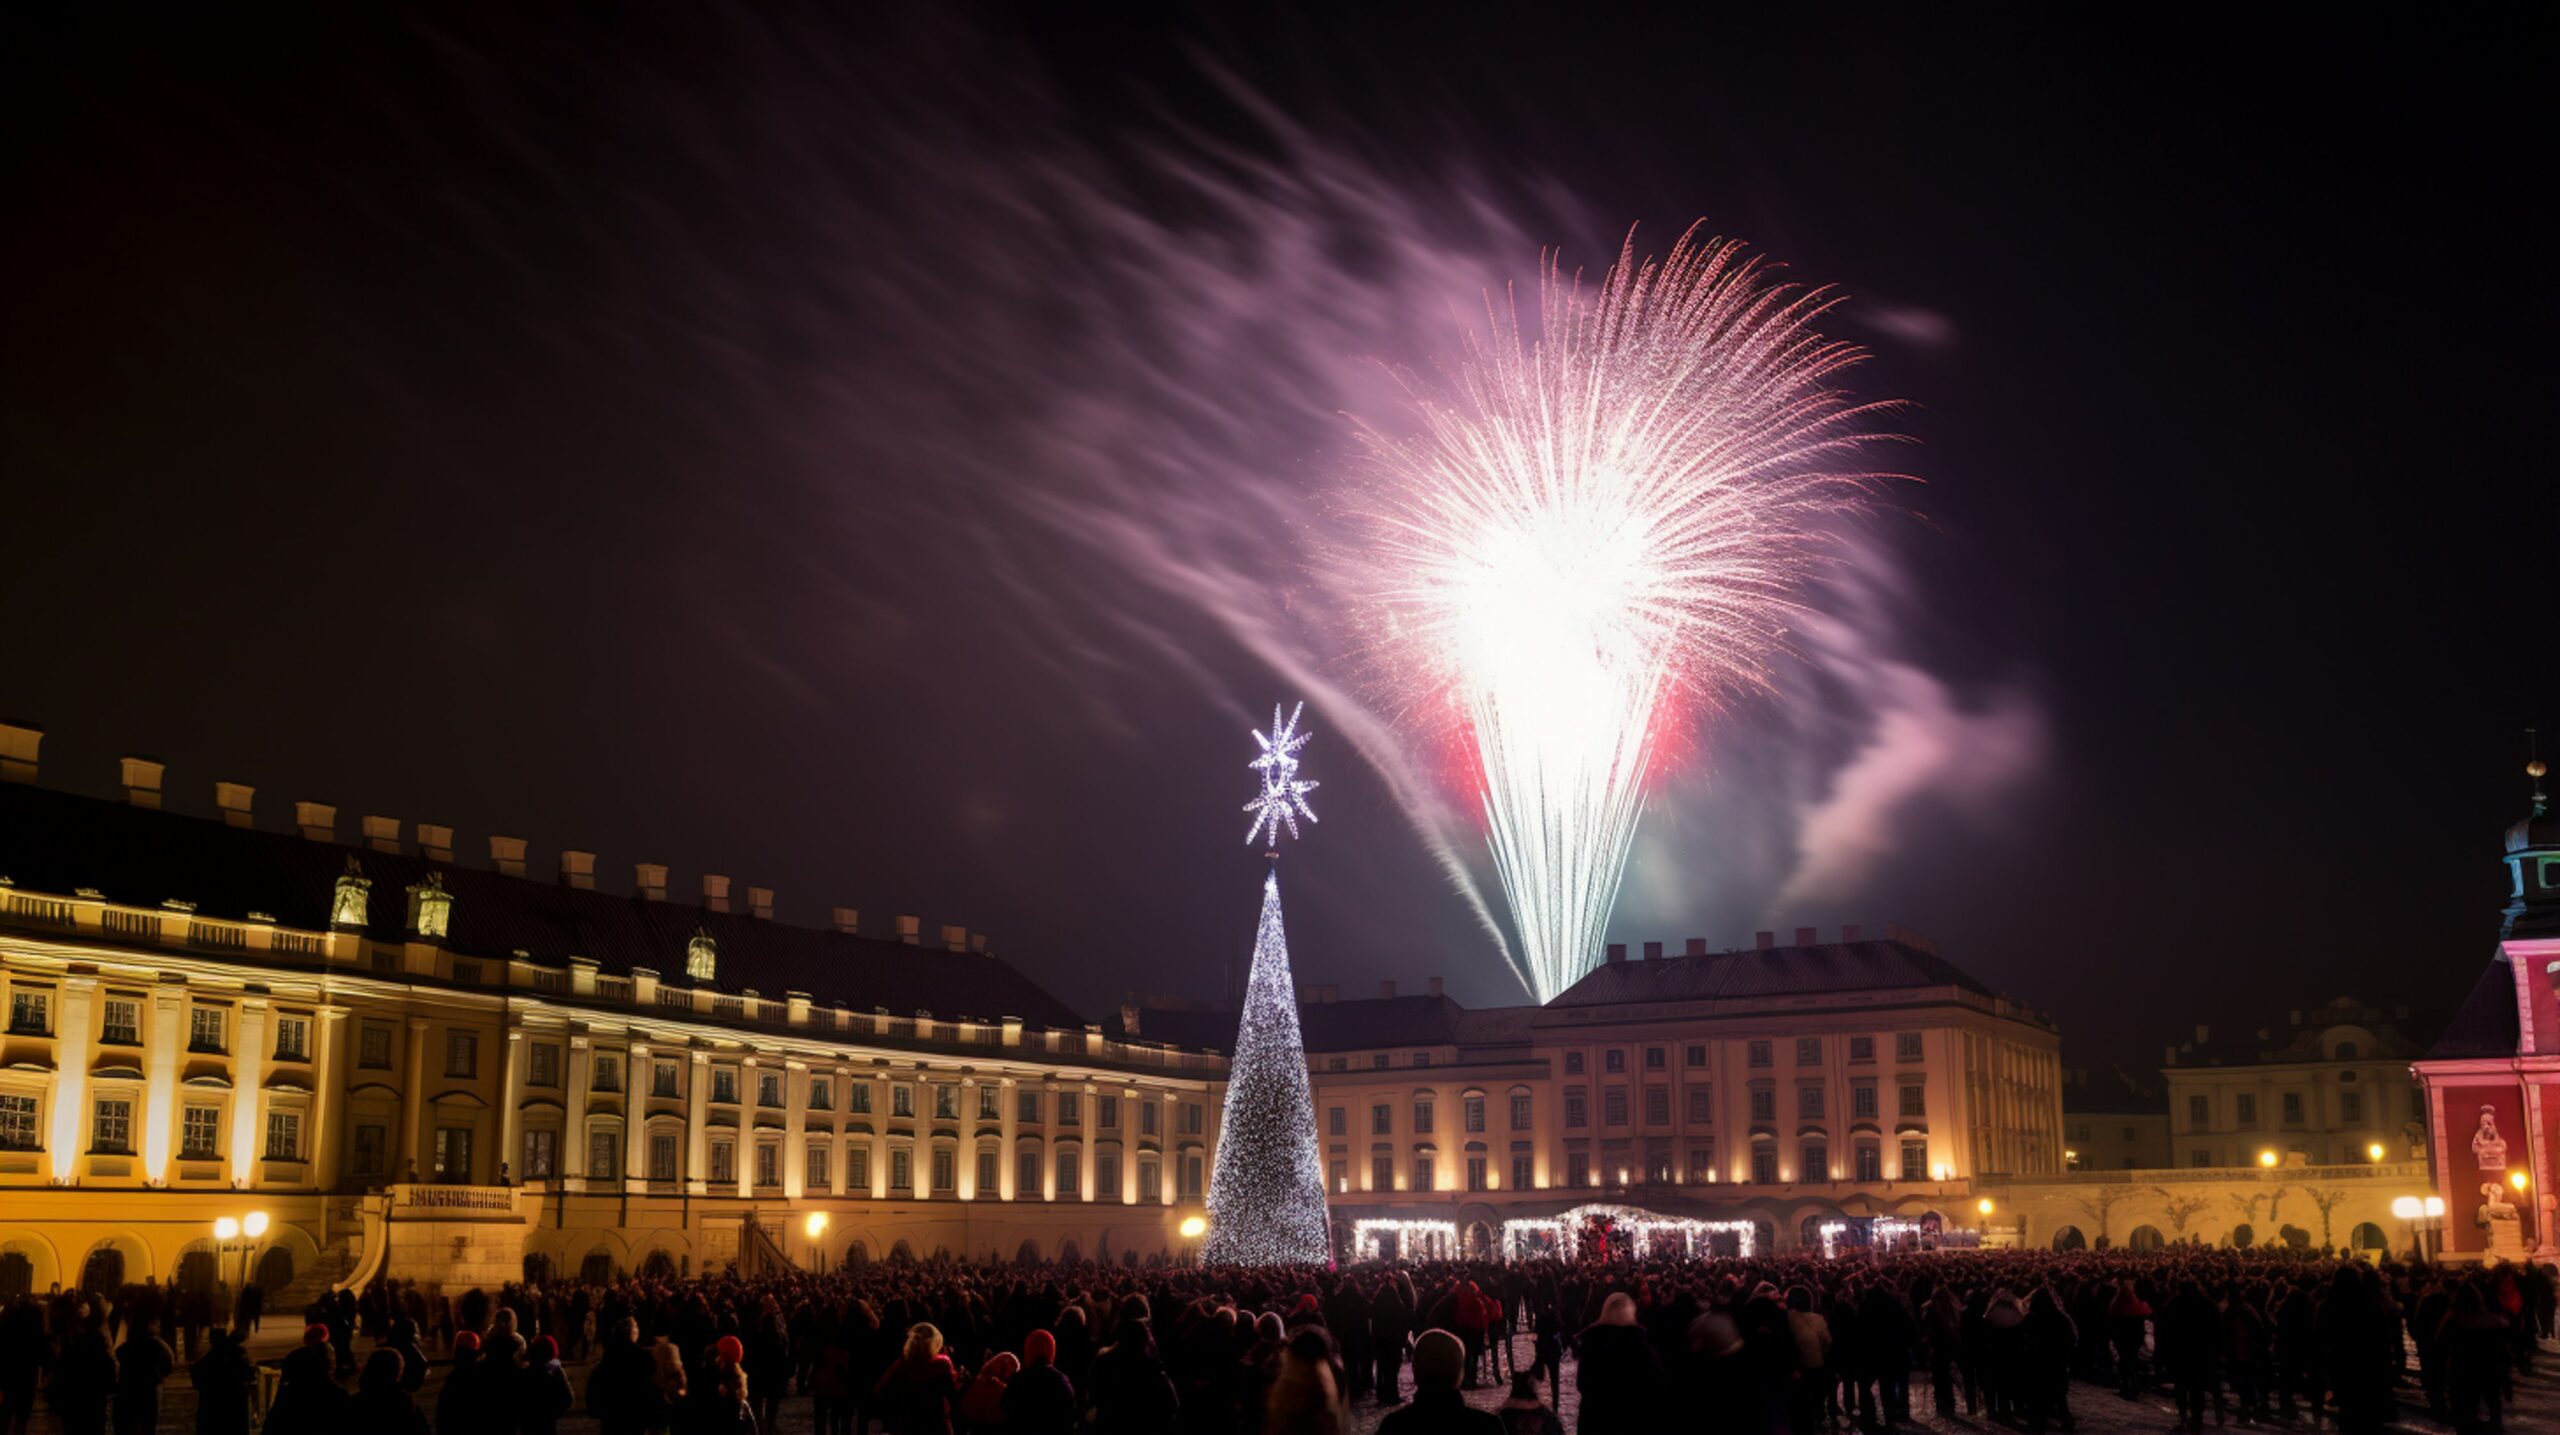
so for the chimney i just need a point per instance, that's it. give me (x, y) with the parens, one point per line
(142, 781)
(1435, 987)
(955, 939)
(977, 941)
(648, 879)
(1653, 951)
(578, 869)
(1807, 936)
(760, 902)
(382, 834)
(1329, 992)
(1128, 1014)
(1849, 933)
(1764, 940)
(1617, 951)
(715, 892)
(507, 855)
(1697, 947)
(234, 799)
(849, 921)
(909, 928)
(18, 744)
(318, 821)
(1387, 991)
(435, 843)
(2203, 1033)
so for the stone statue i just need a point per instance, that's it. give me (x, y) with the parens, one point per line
(2488, 1148)
(2494, 1205)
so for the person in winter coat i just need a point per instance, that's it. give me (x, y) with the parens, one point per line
(915, 1395)
(666, 1394)
(2244, 1356)
(1130, 1390)
(382, 1405)
(2048, 1339)
(1305, 1396)
(2190, 1345)
(1884, 1336)
(462, 1407)
(2475, 1361)
(1474, 1314)
(618, 1388)
(1040, 1400)
(2127, 1314)
(143, 1363)
(1809, 1388)
(768, 1361)
(308, 1398)
(982, 1407)
(223, 1379)
(1390, 1323)
(413, 1359)
(1620, 1377)
(1524, 1413)
(85, 1379)
(1942, 1331)
(1439, 1359)
(541, 1392)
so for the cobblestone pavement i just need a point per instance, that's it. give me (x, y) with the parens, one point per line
(2096, 1408)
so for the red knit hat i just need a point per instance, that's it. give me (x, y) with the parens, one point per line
(1039, 1348)
(545, 1348)
(315, 1334)
(730, 1349)
(467, 1340)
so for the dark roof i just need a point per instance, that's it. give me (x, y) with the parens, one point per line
(60, 842)
(1366, 1025)
(2485, 1025)
(1769, 972)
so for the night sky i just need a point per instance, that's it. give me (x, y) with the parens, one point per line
(879, 457)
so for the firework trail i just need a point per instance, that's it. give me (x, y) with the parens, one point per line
(1588, 524)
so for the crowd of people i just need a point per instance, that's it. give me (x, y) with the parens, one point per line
(1779, 1345)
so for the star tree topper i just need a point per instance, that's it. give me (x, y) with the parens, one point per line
(1284, 796)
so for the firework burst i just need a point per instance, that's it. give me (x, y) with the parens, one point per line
(1587, 522)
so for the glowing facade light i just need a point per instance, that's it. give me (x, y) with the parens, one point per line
(2373, 1151)
(2435, 1208)
(2267, 1158)
(815, 1224)
(2517, 1180)
(1193, 1227)
(226, 1228)
(2406, 1208)
(1590, 526)
(255, 1225)
(1983, 1206)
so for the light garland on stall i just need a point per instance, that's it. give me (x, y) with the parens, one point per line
(1437, 1239)
(1644, 1231)
(1884, 1234)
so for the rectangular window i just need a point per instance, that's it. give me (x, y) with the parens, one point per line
(769, 1088)
(1188, 1182)
(1764, 1165)
(2351, 1107)
(1523, 1170)
(1613, 1106)
(1422, 1058)
(1656, 1058)
(822, 1094)
(201, 1134)
(1702, 1162)
(946, 1176)
(1915, 1160)
(662, 1156)
(2293, 1108)
(1422, 1118)
(372, 1150)
(27, 1013)
(1340, 1175)
(768, 1164)
(2199, 1158)
(284, 1135)
(1337, 1122)
(462, 1053)
(1106, 1176)
(1862, 1099)
(902, 1169)
(293, 1038)
(2244, 1109)
(1382, 1120)
(1862, 1048)
(1070, 1177)
(542, 1065)
(113, 1131)
(1027, 1108)
(1657, 1162)
(1194, 1118)
(604, 1072)
(1867, 1162)
(541, 1153)
(1809, 1103)
(986, 1188)
(1379, 1061)
(1382, 1172)
(902, 1100)
(1070, 1109)
(662, 1079)
(1107, 1112)
(122, 1024)
(1472, 1109)
(1813, 1162)
(1613, 1061)
(815, 1165)
(1026, 1176)
(1150, 1182)
(1147, 1117)
(1696, 1055)
(857, 1170)
(1657, 1106)
(724, 1085)
(1914, 1102)
(1519, 1113)
(204, 1029)
(1702, 1104)
(1906, 1046)
(1573, 1063)
(452, 1154)
(373, 1045)
(724, 1163)
(1764, 1104)
(2199, 1112)
(1337, 1063)
(1425, 1173)
(1475, 1173)
(604, 1157)
(946, 1101)
(988, 1110)
(1808, 1051)
(1760, 1054)
(857, 1098)
(1576, 1111)
(1577, 1168)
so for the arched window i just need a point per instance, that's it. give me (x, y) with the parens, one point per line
(2070, 1239)
(2144, 1238)
(2346, 1051)
(2366, 1237)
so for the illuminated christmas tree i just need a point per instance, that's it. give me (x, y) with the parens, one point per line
(1266, 1197)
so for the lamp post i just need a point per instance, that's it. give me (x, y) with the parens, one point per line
(242, 1234)
(2425, 1219)
(815, 1227)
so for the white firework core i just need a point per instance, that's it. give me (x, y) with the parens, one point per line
(1587, 522)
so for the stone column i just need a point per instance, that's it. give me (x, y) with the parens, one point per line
(1088, 1159)
(964, 1159)
(742, 1145)
(511, 1105)
(697, 1137)
(248, 1073)
(160, 1061)
(795, 1129)
(879, 1138)
(638, 1071)
(840, 1150)
(329, 1059)
(413, 1098)
(1167, 1150)
(573, 1103)
(1008, 1119)
(70, 1135)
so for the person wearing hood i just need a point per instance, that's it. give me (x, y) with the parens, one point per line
(542, 1392)
(915, 1395)
(1390, 1322)
(1620, 1377)
(1942, 1331)
(2127, 1313)
(1131, 1392)
(223, 1379)
(2048, 1340)
(617, 1389)
(1809, 1390)
(1305, 1397)
(462, 1406)
(382, 1405)
(1040, 1400)
(1524, 1413)
(982, 1408)
(143, 1364)
(2189, 1347)
(1439, 1359)
(309, 1400)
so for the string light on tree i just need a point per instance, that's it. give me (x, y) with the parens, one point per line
(1266, 1194)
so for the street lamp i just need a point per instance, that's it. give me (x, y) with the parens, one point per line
(815, 1227)
(2373, 1152)
(1194, 1227)
(242, 1234)
(2267, 1157)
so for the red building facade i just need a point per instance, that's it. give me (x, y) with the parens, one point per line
(2493, 1081)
